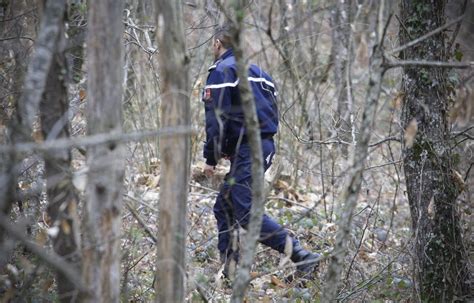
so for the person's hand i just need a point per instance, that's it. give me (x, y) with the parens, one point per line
(209, 170)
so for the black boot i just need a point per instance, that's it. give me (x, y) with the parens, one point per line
(309, 261)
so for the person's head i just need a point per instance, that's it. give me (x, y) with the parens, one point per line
(221, 41)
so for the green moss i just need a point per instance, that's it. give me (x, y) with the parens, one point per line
(421, 147)
(456, 159)
(425, 77)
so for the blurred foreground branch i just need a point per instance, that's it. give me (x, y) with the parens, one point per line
(97, 139)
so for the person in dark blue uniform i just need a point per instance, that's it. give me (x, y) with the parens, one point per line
(226, 138)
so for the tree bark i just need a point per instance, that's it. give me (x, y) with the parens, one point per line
(101, 253)
(62, 200)
(440, 263)
(341, 53)
(174, 151)
(38, 68)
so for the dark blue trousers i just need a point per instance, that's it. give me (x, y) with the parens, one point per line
(232, 208)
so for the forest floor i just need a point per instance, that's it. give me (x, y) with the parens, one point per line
(378, 265)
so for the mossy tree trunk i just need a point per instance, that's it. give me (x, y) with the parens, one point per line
(440, 265)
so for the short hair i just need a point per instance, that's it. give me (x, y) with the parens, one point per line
(223, 33)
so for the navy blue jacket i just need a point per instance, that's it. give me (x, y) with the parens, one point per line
(224, 115)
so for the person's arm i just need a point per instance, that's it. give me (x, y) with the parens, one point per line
(217, 102)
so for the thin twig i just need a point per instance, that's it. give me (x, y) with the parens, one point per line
(367, 282)
(388, 139)
(19, 37)
(205, 188)
(404, 27)
(142, 222)
(362, 236)
(289, 201)
(384, 164)
(460, 133)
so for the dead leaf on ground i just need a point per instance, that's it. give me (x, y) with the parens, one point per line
(254, 274)
(82, 94)
(65, 227)
(281, 185)
(153, 181)
(277, 282)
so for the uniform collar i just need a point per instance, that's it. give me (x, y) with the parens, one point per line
(228, 53)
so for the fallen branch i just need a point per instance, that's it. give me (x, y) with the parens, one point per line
(140, 221)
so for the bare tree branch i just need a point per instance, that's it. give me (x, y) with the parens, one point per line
(388, 139)
(96, 139)
(426, 36)
(425, 63)
(20, 37)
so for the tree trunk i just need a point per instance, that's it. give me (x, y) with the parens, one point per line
(25, 105)
(13, 63)
(341, 53)
(40, 64)
(441, 264)
(101, 263)
(62, 201)
(174, 151)
(352, 186)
